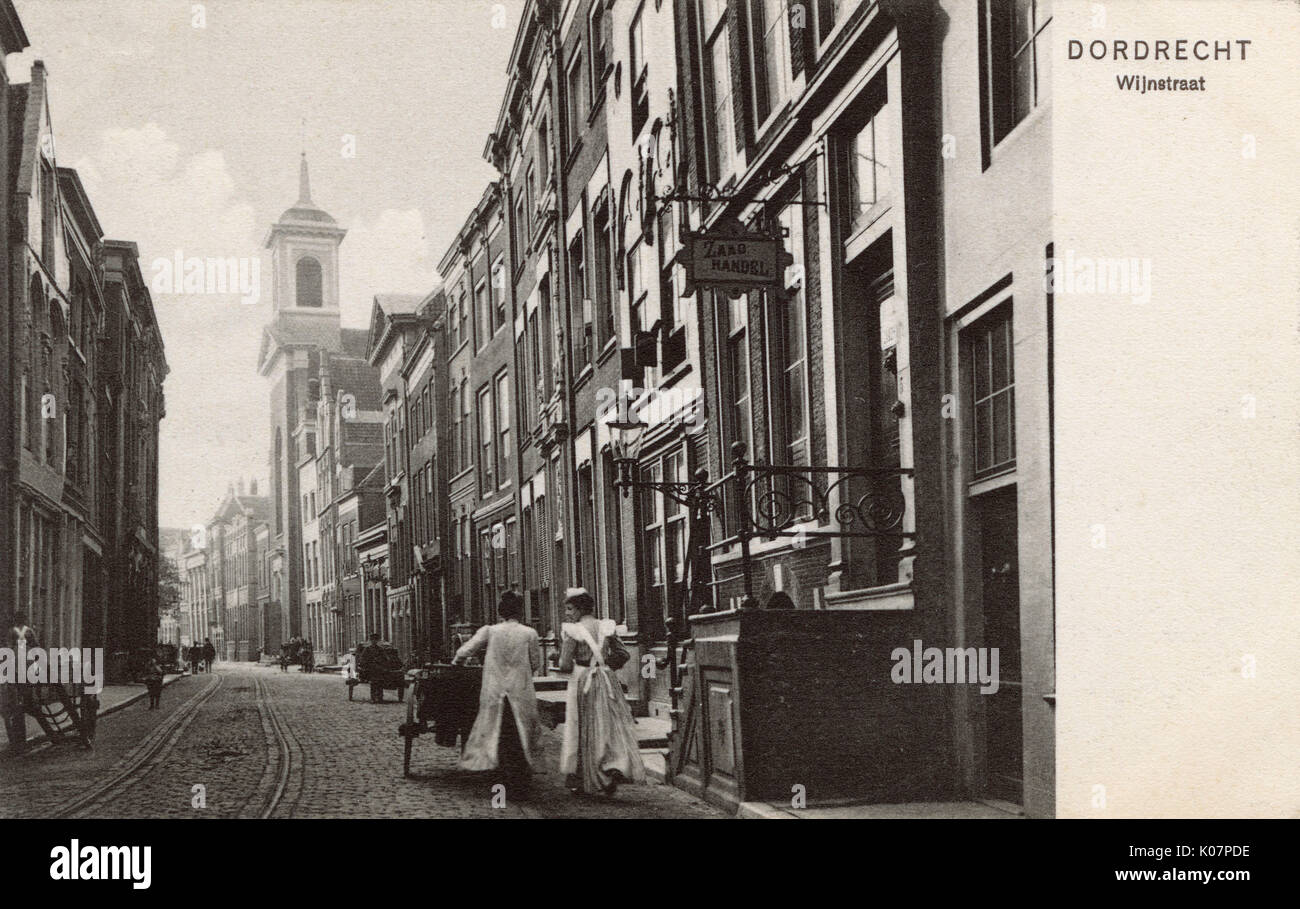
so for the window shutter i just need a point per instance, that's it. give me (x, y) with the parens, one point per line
(735, 15)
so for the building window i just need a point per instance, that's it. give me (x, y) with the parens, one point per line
(585, 553)
(574, 107)
(466, 459)
(652, 513)
(487, 573)
(308, 283)
(734, 388)
(543, 154)
(483, 313)
(498, 293)
(49, 209)
(24, 418)
(503, 425)
(548, 339)
(510, 575)
(602, 273)
(636, 292)
(533, 393)
(990, 353)
(638, 70)
(788, 332)
(598, 41)
(486, 441)
(530, 200)
(768, 56)
(582, 350)
(830, 13)
(739, 421)
(462, 318)
(868, 158)
(719, 124)
(1019, 58)
(521, 228)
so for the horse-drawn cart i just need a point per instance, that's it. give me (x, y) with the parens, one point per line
(380, 667)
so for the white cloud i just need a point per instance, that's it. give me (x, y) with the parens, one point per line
(143, 190)
(387, 254)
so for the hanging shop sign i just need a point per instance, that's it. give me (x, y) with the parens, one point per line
(732, 260)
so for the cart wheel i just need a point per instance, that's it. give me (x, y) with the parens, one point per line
(406, 756)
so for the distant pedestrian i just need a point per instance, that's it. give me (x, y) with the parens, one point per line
(16, 699)
(153, 682)
(209, 653)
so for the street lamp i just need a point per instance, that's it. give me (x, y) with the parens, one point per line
(625, 445)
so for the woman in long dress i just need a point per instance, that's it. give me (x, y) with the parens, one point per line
(507, 730)
(599, 748)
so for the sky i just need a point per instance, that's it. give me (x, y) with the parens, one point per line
(186, 122)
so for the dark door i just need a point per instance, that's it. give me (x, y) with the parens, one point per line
(1001, 601)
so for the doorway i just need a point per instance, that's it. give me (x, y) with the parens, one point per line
(1000, 586)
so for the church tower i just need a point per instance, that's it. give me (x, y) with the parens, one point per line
(304, 246)
(305, 326)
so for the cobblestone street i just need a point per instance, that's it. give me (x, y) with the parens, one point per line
(263, 743)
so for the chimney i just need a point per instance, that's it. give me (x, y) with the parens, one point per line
(241, 486)
(230, 490)
(252, 487)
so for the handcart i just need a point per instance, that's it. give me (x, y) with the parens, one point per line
(444, 701)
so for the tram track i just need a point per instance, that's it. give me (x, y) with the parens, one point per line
(281, 786)
(141, 760)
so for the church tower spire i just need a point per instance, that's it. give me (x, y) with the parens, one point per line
(304, 184)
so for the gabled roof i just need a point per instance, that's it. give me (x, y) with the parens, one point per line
(399, 304)
(388, 312)
(257, 508)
